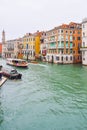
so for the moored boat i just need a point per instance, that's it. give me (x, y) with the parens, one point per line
(17, 62)
(11, 73)
(34, 62)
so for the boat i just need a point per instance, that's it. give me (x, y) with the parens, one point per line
(34, 62)
(17, 62)
(11, 73)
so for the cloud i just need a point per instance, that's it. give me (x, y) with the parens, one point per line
(21, 16)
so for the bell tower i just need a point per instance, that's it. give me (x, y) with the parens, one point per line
(3, 37)
(4, 46)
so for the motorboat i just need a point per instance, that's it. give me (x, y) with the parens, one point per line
(17, 62)
(11, 73)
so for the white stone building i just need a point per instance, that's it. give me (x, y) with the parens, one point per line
(84, 42)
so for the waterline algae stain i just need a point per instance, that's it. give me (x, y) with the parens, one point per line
(49, 97)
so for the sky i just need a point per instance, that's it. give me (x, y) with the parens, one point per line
(18, 17)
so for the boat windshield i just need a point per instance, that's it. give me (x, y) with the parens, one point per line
(19, 61)
(13, 71)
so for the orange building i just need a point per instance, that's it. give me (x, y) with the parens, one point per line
(77, 41)
(37, 43)
(63, 44)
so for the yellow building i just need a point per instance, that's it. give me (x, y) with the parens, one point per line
(31, 46)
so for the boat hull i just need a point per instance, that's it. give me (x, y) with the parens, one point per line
(21, 66)
(17, 62)
(13, 74)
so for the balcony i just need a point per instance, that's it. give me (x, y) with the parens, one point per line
(60, 47)
(50, 47)
(10, 49)
(83, 49)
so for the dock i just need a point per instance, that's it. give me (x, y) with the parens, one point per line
(2, 80)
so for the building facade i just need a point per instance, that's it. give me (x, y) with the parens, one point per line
(13, 49)
(29, 46)
(37, 44)
(19, 48)
(59, 43)
(43, 49)
(84, 42)
(77, 41)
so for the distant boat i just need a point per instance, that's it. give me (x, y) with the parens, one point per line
(11, 73)
(34, 62)
(17, 62)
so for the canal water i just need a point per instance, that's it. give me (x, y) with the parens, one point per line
(48, 97)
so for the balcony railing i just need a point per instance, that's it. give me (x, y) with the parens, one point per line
(83, 49)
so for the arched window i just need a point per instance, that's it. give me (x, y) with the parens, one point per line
(66, 58)
(62, 58)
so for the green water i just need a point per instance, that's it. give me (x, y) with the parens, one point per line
(49, 97)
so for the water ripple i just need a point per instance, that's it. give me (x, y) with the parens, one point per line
(49, 97)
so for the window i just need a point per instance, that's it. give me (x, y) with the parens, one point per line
(62, 38)
(66, 37)
(83, 34)
(62, 51)
(78, 38)
(57, 58)
(83, 52)
(83, 44)
(58, 51)
(48, 58)
(62, 44)
(73, 44)
(67, 51)
(74, 58)
(26, 46)
(70, 32)
(66, 44)
(79, 57)
(62, 58)
(83, 26)
(27, 39)
(79, 51)
(33, 47)
(66, 58)
(61, 31)
(70, 57)
(79, 45)
(79, 32)
(73, 52)
(53, 33)
(73, 31)
(58, 31)
(73, 38)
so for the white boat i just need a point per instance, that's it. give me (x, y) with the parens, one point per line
(17, 62)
